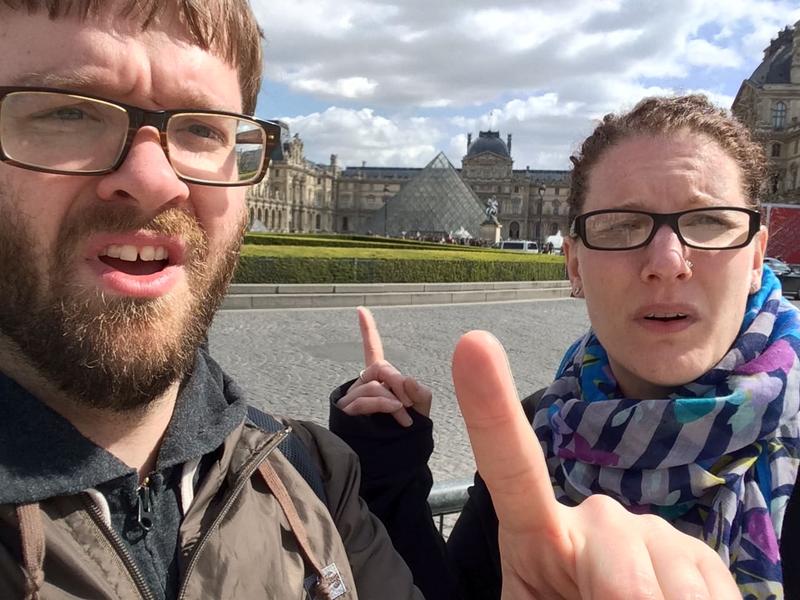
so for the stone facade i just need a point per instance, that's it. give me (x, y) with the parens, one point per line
(768, 102)
(297, 195)
(300, 196)
(532, 203)
(364, 190)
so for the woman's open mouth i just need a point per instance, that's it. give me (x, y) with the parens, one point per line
(666, 317)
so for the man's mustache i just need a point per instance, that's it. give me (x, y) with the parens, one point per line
(126, 218)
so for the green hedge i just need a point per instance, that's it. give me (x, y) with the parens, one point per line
(482, 254)
(333, 265)
(331, 241)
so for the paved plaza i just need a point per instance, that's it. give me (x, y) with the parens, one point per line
(289, 360)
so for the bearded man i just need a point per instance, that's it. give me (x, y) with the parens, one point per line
(128, 466)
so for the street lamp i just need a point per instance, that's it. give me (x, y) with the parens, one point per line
(385, 210)
(541, 192)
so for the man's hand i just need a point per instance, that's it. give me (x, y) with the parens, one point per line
(595, 550)
(381, 388)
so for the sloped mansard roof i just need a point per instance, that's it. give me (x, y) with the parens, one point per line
(776, 66)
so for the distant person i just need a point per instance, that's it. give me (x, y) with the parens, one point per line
(665, 453)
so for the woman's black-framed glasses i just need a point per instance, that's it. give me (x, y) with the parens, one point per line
(57, 131)
(710, 228)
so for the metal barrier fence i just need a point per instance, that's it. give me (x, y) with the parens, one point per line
(448, 498)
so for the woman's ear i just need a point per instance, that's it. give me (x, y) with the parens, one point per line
(573, 267)
(760, 247)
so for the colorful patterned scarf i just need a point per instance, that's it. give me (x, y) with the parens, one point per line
(718, 458)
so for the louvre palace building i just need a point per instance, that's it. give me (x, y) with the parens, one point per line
(768, 102)
(298, 195)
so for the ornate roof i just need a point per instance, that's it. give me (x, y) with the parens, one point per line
(488, 141)
(776, 66)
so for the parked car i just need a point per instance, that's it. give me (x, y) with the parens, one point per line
(777, 265)
(522, 245)
(790, 282)
(789, 277)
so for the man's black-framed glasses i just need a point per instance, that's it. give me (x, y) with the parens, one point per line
(56, 131)
(711, 228)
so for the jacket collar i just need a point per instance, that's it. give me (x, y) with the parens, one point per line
(43, 455)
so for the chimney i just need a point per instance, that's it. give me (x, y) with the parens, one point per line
(794, 73)
(469, 141)
(509, 143)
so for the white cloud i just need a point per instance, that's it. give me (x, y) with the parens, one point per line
(702, 53)
(349, 87)
(361, 135)
(544, 70)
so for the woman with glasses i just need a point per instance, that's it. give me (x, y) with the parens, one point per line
(682, 399)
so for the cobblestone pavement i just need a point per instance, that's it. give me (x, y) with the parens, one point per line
(289, 360)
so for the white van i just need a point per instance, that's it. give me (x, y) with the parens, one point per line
(521, 245)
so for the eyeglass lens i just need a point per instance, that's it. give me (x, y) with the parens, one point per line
(75, 134)
(59, 131)
(707, 228)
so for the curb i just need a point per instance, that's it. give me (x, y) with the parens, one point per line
(275, 296)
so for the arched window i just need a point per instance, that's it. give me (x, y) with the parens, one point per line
(776, 150)
(779, 115)
(513, 230)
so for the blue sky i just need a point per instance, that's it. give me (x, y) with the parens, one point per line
(393, 82)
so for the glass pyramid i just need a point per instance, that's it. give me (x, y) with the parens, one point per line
(435, 203)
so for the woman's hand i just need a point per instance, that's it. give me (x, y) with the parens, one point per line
(595, 550)
(381, 388)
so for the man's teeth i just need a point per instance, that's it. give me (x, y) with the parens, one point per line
(676, 315)
(132, 253)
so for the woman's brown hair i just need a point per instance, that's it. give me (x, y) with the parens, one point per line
(664, 115)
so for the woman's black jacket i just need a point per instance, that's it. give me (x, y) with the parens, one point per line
(396, 482)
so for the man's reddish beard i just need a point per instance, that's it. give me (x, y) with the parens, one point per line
(106, 351)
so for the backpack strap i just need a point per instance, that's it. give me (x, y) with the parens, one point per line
(293, 449)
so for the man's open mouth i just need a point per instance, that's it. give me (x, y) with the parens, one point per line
(135, 260)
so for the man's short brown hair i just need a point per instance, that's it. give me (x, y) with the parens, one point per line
(225, 27)
(665, 115)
